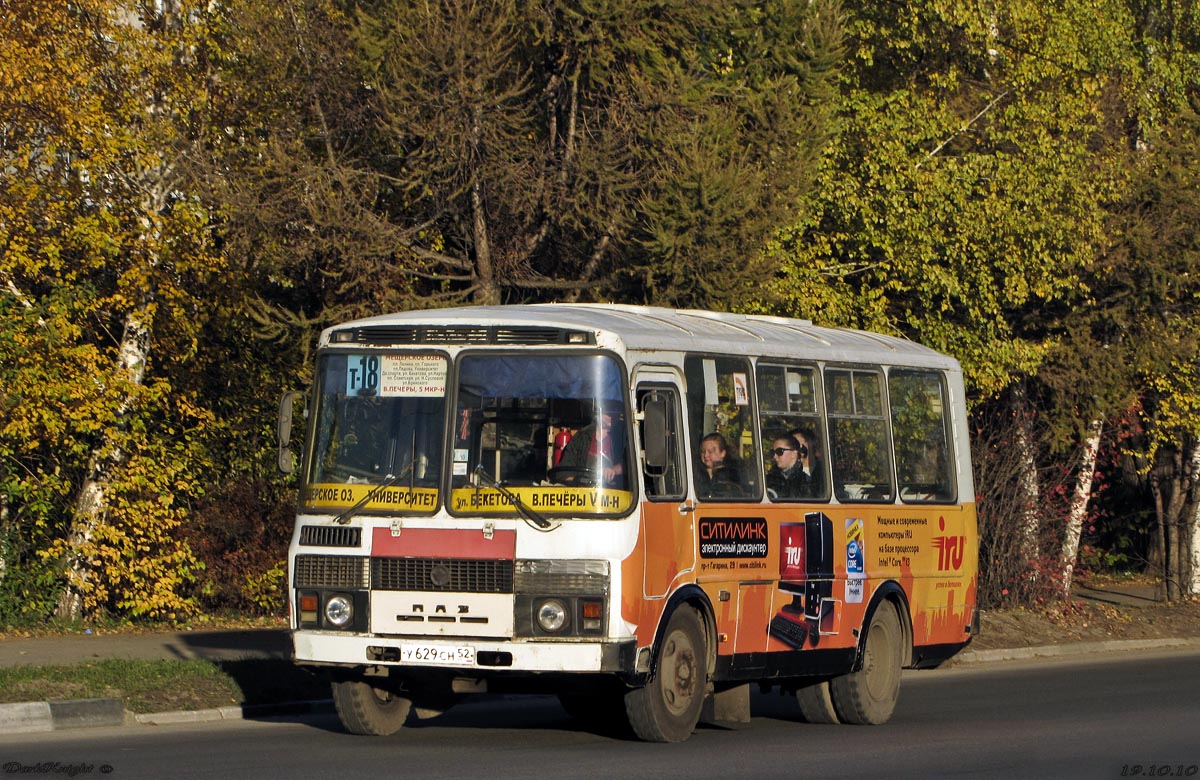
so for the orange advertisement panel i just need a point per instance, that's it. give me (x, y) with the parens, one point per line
(823, 565)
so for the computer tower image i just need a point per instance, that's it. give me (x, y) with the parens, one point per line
(806, 571)
(818, 538)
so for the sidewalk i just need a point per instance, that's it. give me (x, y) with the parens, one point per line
(224, 645)
(229, 645)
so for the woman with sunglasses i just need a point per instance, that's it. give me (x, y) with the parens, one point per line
(787, 478)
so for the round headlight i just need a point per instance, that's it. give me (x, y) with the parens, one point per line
(339, 610)
(552, 616)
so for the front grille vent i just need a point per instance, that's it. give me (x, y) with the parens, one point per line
(445, 575)
(330, 536)
(468, 334)
(331, 571)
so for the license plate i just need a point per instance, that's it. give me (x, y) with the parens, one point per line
(438, 655)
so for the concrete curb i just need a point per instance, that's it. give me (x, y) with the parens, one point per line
(971, 657)
(40, 716)
(234, 713)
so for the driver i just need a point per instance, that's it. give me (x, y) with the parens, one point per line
(598, 447)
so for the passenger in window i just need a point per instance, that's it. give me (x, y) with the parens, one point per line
(599, 445)
(787, 478)
(718, 477)
(810, 462)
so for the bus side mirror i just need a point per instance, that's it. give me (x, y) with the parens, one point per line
(654, 433)
(287, 461)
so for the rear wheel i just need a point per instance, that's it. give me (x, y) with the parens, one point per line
(668, 707)
(816, 706)
(868, 696)
(364, 708)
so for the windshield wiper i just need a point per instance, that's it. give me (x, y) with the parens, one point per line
(387, 482)
(526, 512)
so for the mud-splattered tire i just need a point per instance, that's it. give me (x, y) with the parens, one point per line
(868, 696)
(366, 709)
(668, 707)
(816, 705)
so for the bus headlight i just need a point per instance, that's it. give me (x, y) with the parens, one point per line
(560, 598)
(552, 616)
(339, 610)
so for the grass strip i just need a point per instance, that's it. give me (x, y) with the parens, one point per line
(164, 686)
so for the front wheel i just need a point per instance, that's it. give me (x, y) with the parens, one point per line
(868, 696)
(367, 709)
(668, 707)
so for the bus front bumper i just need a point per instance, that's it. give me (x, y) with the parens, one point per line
(327, 648)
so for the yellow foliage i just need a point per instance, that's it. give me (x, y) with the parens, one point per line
(100, 108)
(268, 591)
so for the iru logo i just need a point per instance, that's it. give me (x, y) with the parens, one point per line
(950, 548)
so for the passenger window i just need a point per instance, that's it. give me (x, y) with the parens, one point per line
(725, 455)
(791, 433)
(920, 429)
(858, 437)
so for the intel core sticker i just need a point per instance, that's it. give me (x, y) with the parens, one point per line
(733, 537)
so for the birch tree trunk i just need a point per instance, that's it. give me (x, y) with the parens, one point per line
(1188, 556)
(4, 545)
(4, 533)
(1028, 493)
(1193, 580)
(105, 458)
(1189, 529)
(1079, 504)
(153, 177)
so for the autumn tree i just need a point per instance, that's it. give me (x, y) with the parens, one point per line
(968, 193)
(1148, 316)
(1137, 291)
(101, 254)
(500, 152)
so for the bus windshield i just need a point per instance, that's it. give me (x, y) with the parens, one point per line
(380, 423)
(549, 429)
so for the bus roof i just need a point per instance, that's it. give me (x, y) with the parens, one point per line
(652, 329)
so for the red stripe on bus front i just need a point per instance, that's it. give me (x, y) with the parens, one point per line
(443, 543)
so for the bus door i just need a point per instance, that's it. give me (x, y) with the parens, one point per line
(735, 542)
(668, 523)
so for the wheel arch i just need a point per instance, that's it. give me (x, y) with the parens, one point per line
(692, 596)
(892, 594)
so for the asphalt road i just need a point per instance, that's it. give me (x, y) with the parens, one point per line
(1117, 716)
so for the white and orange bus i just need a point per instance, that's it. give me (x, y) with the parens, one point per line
(640, 510)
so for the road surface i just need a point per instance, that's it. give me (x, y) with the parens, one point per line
(1118, 716)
